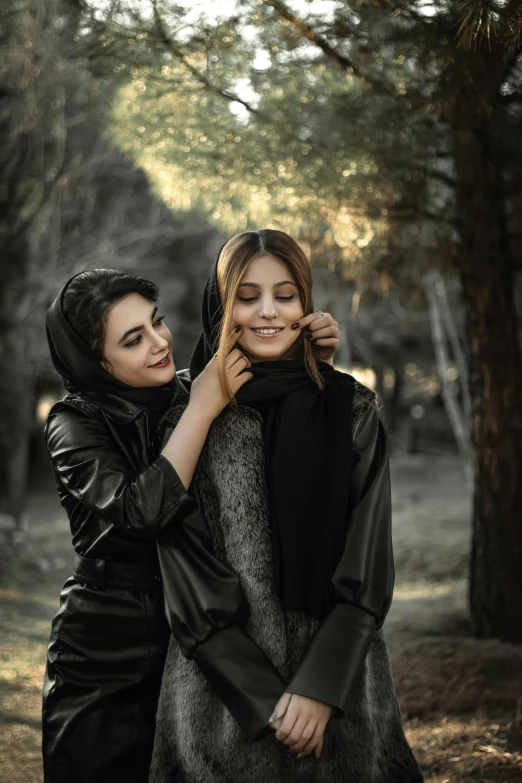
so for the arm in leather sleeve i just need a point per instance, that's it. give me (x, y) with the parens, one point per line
(89, 465)
(207, 611)
(363, 581)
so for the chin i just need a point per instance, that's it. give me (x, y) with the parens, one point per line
(162, 377)
(269, 354)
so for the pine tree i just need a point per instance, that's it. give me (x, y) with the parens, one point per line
(379, 115)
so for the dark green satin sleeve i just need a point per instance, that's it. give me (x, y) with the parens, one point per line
(363, 581)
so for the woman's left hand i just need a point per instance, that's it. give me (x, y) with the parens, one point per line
(323, 332)
(301, 723)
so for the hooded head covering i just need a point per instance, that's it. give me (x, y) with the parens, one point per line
(80, 369)
(308, 447)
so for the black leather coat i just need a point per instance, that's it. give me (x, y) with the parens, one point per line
(124, 501)
(118, 494)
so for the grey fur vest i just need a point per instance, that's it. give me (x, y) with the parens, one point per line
(197, 740)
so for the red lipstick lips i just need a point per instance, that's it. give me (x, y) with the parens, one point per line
(163, 362)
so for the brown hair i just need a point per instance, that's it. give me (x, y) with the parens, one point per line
(233, 260)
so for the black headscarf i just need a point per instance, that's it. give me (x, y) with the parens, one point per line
(308, 444)
(81, 371)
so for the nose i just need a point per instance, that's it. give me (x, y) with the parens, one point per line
(268, 307)
(159, 343)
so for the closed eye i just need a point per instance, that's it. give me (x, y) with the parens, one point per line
(250, 299)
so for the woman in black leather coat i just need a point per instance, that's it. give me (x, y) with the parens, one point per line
(125, 492)
(110, 635)
(294, 484)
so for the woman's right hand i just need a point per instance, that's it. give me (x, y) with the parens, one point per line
(206, 393)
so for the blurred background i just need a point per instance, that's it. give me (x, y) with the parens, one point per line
(384, 135)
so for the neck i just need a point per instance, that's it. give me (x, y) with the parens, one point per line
(296, 351)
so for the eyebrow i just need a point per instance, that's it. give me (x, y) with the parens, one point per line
(276, 285)
(136, 328)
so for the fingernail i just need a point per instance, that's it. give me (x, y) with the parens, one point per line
(310, 336)
(273, 716)
(296, 325)
(237, 329)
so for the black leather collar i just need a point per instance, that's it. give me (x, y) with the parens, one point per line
(118, 409)
(122, 411)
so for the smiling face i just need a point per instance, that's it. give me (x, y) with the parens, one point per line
(138, 345)
(266, 306)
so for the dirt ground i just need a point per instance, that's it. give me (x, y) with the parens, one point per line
(461, 698)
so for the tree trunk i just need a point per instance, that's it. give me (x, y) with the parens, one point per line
(17, 397)
(32, 139)
(495, 372)
(341, 313)
(459, 421)
(394, 406)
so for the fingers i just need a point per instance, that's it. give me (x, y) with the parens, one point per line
(240, 380)
(282, 706)
(306, 320)
(306, 735)
(297, 731)
(329, 331)
(316, 747)
(304, 725)
(235, 365)
(327, 341)
(289, 722)
(316, 741)
(237, 361)
(324, 322)
(317, 320)
(313, 741)
(233, 338)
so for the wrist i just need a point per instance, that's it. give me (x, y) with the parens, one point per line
(200, 414)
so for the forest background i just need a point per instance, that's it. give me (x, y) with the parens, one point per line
(386, 136)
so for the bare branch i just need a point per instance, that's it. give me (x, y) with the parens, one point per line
(344, 63)
(305, 31)
(181, 56)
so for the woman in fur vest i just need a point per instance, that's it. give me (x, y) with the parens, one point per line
(309, 538)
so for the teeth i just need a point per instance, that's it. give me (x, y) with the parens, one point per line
(267, 331)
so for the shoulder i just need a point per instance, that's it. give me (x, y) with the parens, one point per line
(365, 405)
(71, 417)
(74, 407)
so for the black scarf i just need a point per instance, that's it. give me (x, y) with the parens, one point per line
(81, 371)
(308, 443)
